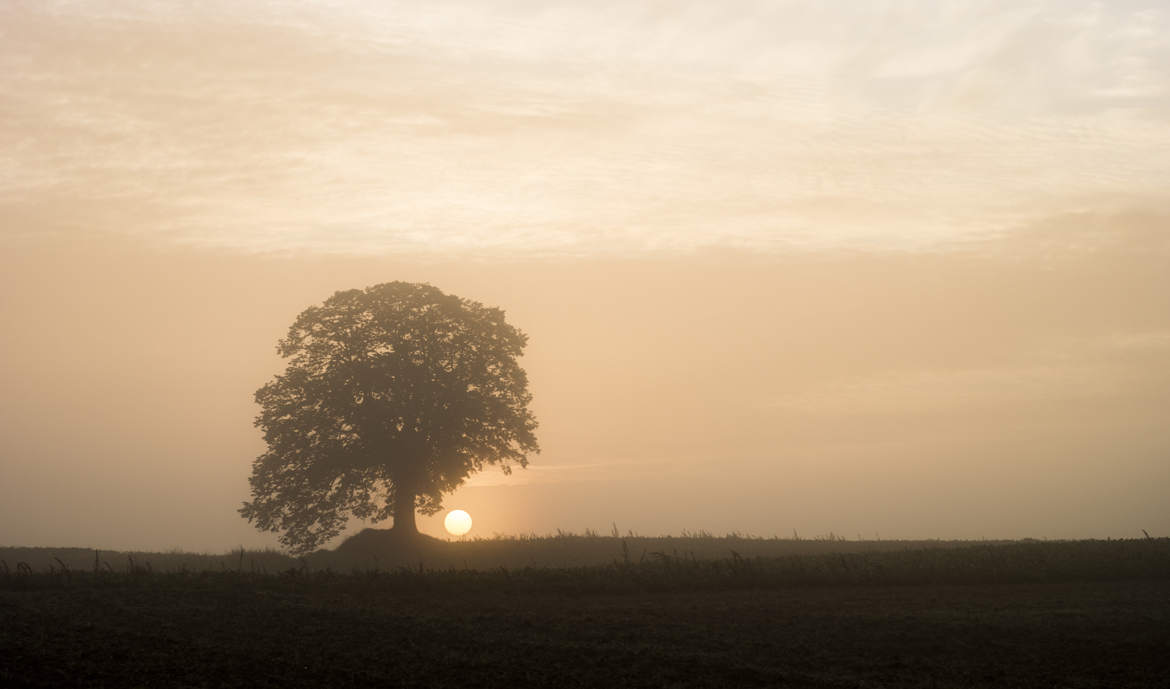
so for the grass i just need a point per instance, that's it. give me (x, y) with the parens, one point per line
(698, 611)
(626, 564)
(368, 550)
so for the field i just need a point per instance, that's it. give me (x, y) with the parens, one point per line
(697, 612)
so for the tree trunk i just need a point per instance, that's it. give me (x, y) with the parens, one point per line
(404, 510)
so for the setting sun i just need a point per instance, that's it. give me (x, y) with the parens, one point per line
(457, 522)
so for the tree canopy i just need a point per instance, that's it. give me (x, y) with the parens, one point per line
(392, 396)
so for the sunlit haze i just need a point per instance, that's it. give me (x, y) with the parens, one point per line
(867, 268)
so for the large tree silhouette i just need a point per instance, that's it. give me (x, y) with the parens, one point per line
(393, 395)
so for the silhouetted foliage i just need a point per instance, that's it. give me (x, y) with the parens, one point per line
(393, 396)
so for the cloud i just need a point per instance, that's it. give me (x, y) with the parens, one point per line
(554, 129)
(1115, 239)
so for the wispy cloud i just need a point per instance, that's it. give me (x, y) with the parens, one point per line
(612, 127)
(543, 473)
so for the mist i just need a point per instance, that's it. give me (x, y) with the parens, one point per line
(1016, 388)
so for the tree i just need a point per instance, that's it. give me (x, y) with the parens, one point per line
(392, 396)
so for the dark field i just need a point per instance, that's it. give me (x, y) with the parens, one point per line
(1081, 614)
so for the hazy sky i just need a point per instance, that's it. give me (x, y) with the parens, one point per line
(861, 267)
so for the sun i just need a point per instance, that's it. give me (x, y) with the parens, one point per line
(457, 522)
